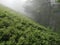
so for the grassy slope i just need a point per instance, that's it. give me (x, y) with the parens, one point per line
(19, 15)
(16, 29)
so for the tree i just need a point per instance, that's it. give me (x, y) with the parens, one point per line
(40, 11)
(56, 15)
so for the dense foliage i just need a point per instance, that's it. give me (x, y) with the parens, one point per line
(19, 30)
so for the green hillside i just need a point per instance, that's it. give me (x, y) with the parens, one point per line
(16, 29)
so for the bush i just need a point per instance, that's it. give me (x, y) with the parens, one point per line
(19, 30)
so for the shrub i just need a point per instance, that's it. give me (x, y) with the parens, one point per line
(19, 30)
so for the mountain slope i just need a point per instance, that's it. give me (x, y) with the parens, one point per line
(16, 29)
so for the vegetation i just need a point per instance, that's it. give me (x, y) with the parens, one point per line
(44, 13)
(58, 0)
(16, 29)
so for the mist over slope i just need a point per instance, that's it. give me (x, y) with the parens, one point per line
(17, 29)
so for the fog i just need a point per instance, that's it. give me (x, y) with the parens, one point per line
(14, 4)
(17, 5)
(45, 12)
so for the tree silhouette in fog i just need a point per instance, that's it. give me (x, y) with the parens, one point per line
(40, 10)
